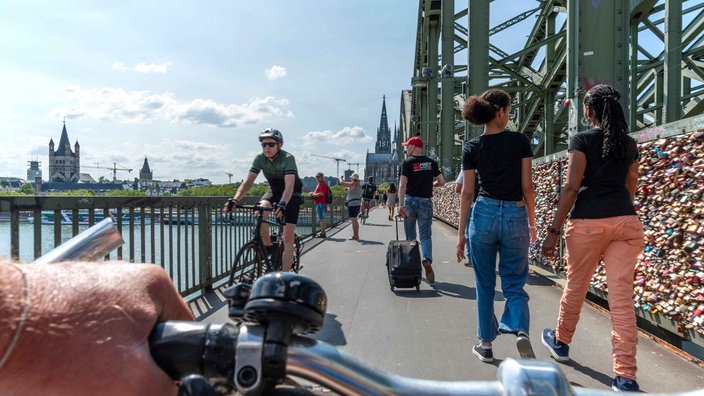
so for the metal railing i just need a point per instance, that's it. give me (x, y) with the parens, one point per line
(187, 236)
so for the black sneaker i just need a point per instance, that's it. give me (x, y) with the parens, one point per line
(558, 349)
(525, 349)
(485, 354)
(623, 384)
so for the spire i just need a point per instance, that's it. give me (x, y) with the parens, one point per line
(64, 144)
(145, 173)
(145, 166)
(383, 134)
(384, 122)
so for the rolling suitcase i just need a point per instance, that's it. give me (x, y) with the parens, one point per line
(403, 263)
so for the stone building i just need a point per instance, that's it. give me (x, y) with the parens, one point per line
(64, 163)
(145, 173)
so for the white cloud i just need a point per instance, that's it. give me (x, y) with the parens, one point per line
(118, 105)
(342, 137)
(144, 67)
(152, 68)
(275, 72)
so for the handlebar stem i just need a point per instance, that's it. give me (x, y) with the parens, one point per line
(248, 365)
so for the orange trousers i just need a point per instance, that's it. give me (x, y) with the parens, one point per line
(619, 240)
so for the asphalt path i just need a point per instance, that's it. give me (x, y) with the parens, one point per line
(429, 333)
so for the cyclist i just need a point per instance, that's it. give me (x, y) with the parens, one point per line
(368, 194)
(285, 189)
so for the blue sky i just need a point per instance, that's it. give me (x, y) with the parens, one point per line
(190, 84)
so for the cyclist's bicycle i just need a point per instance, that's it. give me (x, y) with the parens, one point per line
(254, 259)
(364, 210)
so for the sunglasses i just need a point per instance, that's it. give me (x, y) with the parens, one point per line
(269, 144)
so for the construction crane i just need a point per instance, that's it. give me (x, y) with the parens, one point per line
(338, 160)
(355, 163)
(229, 176)
(114, 170)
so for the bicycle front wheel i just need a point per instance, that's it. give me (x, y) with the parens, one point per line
(247, 266)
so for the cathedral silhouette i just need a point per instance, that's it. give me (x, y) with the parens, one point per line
(382, 164)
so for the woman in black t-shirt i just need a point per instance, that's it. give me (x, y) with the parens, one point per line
(602, 171)
(502, 219)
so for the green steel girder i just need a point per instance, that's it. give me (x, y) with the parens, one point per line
(655, 100)
(513, 21)
(549, 70)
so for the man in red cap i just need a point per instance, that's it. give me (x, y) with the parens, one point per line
(419, 174)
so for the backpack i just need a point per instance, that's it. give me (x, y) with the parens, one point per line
(328, 195)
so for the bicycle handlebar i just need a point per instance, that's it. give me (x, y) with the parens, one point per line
(326, 366)
(232, 203)
(269, 346)
(257, 208)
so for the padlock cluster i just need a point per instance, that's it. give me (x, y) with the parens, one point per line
(548, 179)
(446, 204)
(670, 278)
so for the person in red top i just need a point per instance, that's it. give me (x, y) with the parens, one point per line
(321, 207)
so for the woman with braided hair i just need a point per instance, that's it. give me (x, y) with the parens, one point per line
(602, 171)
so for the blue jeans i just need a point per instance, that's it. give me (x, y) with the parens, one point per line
(500, 227)
(419, 210)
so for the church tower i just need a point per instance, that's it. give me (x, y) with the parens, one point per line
(380, 164)
(383, 134)
(145, 173)
(64, 163)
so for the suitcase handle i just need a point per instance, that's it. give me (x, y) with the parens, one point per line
(396, 218)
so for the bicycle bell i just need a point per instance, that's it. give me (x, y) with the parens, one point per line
(288, 295)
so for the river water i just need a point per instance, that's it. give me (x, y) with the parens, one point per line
(186, 239)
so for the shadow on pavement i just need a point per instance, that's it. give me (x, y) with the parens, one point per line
(455, 290)
(331, 332)
(368, 242)
(413, 293)
(589, 372)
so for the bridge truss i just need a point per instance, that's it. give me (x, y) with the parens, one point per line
(547, 54)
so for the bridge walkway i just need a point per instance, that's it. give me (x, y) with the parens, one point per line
(429, 333)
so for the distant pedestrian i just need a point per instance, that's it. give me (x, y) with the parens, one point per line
(353, 202)
(391, 195)
(419, 174)
(369, 195)
(501, 221)
(321, 206)
(602, 173)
